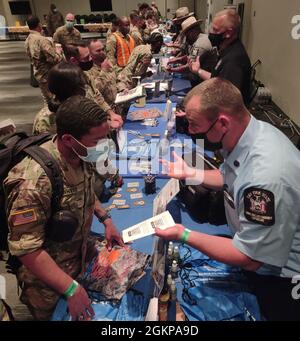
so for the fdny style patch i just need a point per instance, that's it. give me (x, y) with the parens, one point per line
(259, 206)
(23, 217)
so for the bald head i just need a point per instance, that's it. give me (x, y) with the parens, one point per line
(70, 17)
(124, 25)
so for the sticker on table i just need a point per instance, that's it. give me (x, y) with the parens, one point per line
(133, 184)
(123, 207)
(136, 196)
(116, 196)
(132, 190)
(119, 202)
(139, 203)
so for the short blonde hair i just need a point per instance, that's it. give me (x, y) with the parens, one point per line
(217, 96)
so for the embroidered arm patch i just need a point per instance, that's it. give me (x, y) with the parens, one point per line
(259, 206)
(23, 217)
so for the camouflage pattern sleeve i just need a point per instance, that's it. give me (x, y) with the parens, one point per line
(48, 49)
(44, 122)
(95, 95)
(28, 209)
(56, 37)
(111, 48)
(137, 36)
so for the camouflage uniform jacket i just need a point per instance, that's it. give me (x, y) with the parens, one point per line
(28, 194)
(54, 21)
(137, 35)
(42, 54)
(135, 67)
(105, 82)
(94, 94)
(44, 122)
(64, 36)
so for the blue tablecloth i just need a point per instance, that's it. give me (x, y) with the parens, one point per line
(134, 304)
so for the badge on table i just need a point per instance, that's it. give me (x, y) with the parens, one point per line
(132, 190)
(139, 203)
(123, 207)
(116, 196)
(119, 202)
(136, 196)
(133, 184)
(259, 206)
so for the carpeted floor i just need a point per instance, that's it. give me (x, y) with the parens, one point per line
(18, 100)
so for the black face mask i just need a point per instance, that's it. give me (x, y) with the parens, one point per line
(86, 66)
(208, 144)
(216, 39)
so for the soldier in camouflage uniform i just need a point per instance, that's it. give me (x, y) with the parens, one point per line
(67, 34)
(42, 54)
(112, 45)
(54, 20)
(139, 61)
(79, 54)
(102, 72)
(138, 25)
(66, 80)
(50, 267)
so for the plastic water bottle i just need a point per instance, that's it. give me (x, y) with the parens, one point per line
(174, 269)
(176, 255)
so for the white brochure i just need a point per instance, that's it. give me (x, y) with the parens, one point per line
(166, 195)
(147, 227)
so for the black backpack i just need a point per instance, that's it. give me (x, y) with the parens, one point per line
(204, 205)
(13, 149)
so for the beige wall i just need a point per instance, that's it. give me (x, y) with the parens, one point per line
(270, 40)
(83, 6)
(40, 7)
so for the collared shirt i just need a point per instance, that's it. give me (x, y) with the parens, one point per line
(235, 66)
(262, 177)
(200, 46)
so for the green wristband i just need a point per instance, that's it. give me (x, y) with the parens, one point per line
(71, 290)
(185, 236)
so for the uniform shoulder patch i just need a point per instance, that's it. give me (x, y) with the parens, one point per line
(259, 205)
(23, 217)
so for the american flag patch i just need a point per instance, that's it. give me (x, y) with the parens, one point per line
(23, 217)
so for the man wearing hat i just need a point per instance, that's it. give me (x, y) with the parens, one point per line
(197, 45)
(181, 15)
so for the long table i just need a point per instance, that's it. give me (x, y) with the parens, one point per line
(129, 309)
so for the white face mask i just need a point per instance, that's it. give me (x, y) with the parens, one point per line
(98, 153)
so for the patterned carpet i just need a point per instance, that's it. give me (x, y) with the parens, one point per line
(18, 100)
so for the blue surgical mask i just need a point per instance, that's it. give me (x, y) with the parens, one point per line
(69, 25)
(98, 153)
